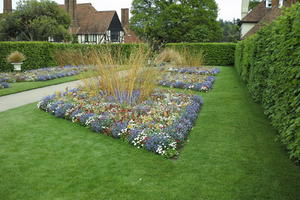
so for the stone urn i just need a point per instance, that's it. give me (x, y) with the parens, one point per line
(17, 66)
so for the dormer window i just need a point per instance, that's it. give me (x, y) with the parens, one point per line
(281, 3)
(268, 3)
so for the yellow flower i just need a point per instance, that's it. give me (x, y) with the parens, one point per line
(130, 126)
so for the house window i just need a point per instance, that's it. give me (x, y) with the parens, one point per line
(86, 38)
(94, 38)
(269, 3)
(115, 36)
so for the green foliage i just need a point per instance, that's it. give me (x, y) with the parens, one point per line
(167, 21)
(253, 4)
(36, 21)
(231, 155)
(269, 62)
(41, 54)
(214, 53)
(231, 31)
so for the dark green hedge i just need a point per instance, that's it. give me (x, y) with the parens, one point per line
(221, 54)
(269, 63)
(40, 54)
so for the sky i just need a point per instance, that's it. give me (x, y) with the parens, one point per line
(228, 9)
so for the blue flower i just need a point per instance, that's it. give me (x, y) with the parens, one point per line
(83, 118)
(157, 141)
(61, 110)
(133, 133)
(117, 128)
(4, 85)
(45, 101)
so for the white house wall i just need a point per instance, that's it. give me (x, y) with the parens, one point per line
(100, 39)
(246, 27)
(122, 36)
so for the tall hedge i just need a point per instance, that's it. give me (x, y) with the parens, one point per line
(269, 63)
(41, 54)
(221, 54)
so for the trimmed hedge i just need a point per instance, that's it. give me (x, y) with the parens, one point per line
(269, 63)
(40, 54)
(220, 54)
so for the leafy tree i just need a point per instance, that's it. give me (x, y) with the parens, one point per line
(231, 31)
(36, 21)
(163, 21)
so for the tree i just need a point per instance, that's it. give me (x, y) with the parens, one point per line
(253, 4)
(231, 31)
(163, 21)
(36, 21)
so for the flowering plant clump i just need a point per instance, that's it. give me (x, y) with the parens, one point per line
(42, 74)
(195, 70)
(187, 81)
(3, 85)
(160, 124)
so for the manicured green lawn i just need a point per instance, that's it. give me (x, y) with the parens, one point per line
(231, 154)
(24, 86)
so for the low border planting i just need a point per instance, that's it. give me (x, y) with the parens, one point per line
(163, 132)
(195, 70)
(42, 74)
(202, 80)
(4, 85)
(204, 86)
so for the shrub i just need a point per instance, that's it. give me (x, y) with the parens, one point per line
(15, 57)
(169, 56)
(269, 63)
(182, 57)
(220, 54)
(42, 54)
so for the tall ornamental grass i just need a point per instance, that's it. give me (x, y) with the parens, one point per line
(180, 58)
(126, 78)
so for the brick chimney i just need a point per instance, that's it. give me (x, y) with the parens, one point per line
(275, 3)
(125, 17)
(67, 5)
(72, 9)
(7, 6)
(70, 6)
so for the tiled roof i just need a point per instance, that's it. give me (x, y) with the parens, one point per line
(256, 14)
(267, 19)
(91, 21)
(131, 37)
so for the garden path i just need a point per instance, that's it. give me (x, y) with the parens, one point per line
(19, 99)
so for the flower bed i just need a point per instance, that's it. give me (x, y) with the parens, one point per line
(3, 85)
(187, 81)
(42, 74)
(159, 124)
(195, 70)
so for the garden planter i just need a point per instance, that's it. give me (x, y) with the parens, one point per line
(17, 66)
